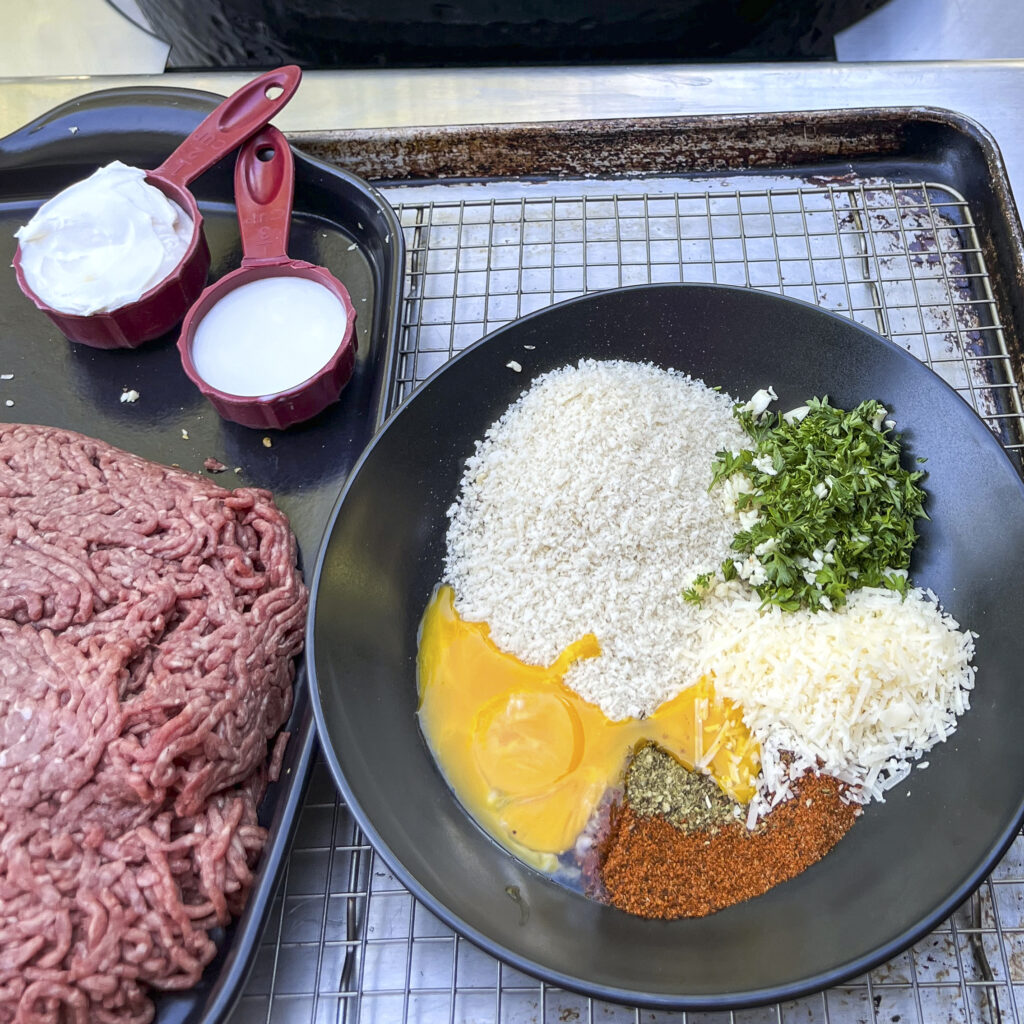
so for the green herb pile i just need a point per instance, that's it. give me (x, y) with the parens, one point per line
(834, 508)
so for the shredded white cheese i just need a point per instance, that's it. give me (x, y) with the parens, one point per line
(860, 692)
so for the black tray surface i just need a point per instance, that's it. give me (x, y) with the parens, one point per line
(339, 222)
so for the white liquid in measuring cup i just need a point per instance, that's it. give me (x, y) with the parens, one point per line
(268, 336)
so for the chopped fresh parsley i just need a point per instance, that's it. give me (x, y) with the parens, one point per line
(825, 507)
(695, 594)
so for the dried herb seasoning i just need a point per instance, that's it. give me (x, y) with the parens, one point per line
(656, 783)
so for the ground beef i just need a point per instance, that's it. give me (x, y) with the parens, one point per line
(149, 621)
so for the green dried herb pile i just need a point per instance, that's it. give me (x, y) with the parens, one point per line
(656, 783)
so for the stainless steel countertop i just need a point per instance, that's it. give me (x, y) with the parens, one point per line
(990, 92)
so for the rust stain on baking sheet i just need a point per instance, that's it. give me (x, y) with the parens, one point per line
(609, 147)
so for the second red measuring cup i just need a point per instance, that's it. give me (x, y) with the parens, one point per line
(271, 343)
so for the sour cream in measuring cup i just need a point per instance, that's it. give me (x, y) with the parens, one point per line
(268, 336)
(103, 242)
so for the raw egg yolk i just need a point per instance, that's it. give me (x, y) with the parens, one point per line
(529, 758)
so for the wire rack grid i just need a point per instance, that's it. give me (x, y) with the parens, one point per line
(346, 941)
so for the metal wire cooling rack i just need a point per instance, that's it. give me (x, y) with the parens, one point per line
(346, 942)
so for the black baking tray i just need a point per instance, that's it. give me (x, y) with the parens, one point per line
(339, 222)
(821, 147)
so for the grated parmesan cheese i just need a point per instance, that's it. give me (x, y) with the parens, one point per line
(586, 509)
(858, 693)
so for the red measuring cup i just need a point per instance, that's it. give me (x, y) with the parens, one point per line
(162, 306)
(258, 333)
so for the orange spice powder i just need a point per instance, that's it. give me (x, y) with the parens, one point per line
(654, 869)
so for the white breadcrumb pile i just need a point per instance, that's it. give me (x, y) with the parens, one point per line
(585, 509)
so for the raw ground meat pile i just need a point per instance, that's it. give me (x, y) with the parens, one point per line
(148, 625)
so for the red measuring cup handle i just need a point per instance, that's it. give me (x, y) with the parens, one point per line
(232, 122)
(264, 187)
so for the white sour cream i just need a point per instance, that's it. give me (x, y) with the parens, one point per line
(268, 336)
(103, 242)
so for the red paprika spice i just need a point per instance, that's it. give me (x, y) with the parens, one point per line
(654, 869)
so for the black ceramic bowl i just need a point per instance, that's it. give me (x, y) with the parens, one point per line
(906, 864)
